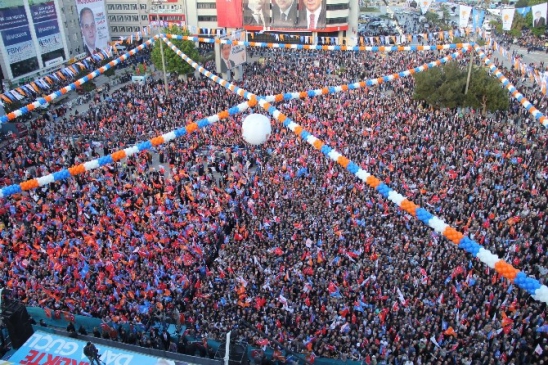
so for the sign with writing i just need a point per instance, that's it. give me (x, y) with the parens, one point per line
(18, 44)
(12, 14)
(43, 348)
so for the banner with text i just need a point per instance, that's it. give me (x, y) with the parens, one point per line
(46, 26)
(19, 47)
(18, 44)
(12, 14)
(44, 348)
(93, 24)
(229, 13)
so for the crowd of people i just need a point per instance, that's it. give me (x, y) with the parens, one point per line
(217, 234)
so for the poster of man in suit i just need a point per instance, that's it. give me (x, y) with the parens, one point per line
(232, 55)
(539, 15)
(312, 14)
(284, 13)
(257, 13)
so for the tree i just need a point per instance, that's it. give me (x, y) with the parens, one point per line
(444, 87)
(175, 63)
(110, 71)
(441, 87)
(87, 86)
(485, 92)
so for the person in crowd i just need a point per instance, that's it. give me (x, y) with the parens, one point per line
(279, 237)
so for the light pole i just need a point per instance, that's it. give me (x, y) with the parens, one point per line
(157, 4)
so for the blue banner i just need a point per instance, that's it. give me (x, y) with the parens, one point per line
(44, 348)
(13, 17)
(477, 18)
(15, 36)
(46, 28)
(42, 12)
(523, 11)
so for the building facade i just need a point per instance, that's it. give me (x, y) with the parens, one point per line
(32, 38)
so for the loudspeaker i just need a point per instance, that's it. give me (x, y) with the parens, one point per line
(17, 321)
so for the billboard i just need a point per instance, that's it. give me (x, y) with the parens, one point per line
(232, 55)
(43, 348)
(285, 14)
(46, 26)
(18, 44)
(229, 13)
(93, 24)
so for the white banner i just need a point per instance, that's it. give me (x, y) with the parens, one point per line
(93, 24)
(464, 15)
(425, 5)
(539, 15)
(507, 18)
(19, 51)
(50, 43)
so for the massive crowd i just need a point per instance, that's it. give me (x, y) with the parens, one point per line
(214, 232)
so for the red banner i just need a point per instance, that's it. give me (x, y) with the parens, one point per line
(229, 13)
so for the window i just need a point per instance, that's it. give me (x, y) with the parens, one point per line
(135, 18)
(127, 18)
(207, 18)
(112, 18)
(126, 6)
(143, 6)
(336, 7)
(336, 20)
(118, 6)
(110, 6)
(121, 29)
(114, 29)
(120, 18)
(133, 6)
(206, 5)
(144, 17)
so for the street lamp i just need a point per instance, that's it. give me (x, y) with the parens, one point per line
(157, 4)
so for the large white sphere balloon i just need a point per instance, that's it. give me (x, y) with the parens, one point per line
(256, 129)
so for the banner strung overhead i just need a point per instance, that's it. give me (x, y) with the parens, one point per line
(539, 15)
(425, 5)
(477, 19)
(507, 18)
(464, 15)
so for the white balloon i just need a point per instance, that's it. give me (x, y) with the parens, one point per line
(256, 129)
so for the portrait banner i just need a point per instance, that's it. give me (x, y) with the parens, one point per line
(93, 24)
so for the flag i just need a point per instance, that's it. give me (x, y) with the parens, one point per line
(538, 350)
(229, 13)
(425, 5)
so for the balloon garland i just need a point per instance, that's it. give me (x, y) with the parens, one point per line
(363, 84)
(121, 154)
(537, 290)
(49, 98)
(320, 47)
(537, 114)
(143, 146)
